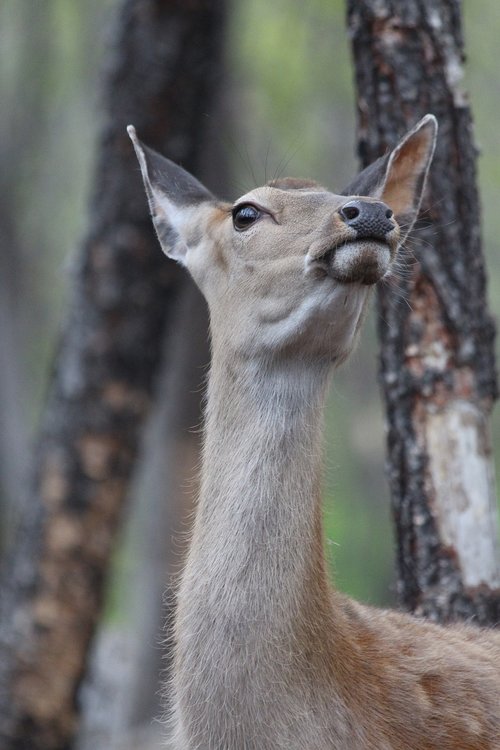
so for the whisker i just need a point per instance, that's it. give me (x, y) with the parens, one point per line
(228, 141)
(288, 155)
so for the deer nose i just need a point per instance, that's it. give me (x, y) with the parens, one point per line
(369, 219)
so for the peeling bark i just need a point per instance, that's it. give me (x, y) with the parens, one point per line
(162, 74)
(437, 358)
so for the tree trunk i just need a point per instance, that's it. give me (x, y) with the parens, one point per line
(162, 74)
(437, 361)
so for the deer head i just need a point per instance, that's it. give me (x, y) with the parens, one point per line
(287, 268)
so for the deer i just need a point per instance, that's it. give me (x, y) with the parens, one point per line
(268, 654)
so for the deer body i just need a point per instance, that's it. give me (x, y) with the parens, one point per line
(267, 655)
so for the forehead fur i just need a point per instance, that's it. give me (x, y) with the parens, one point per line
(295, 183)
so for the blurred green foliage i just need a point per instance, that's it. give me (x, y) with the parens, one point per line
(51, 54)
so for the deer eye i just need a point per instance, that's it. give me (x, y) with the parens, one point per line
(245, 215)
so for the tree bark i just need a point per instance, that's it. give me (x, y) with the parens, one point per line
(437, 356)
(163, 70)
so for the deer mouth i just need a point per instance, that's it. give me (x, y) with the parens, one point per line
(363, 261)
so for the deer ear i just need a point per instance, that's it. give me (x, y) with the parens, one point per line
(174, 197)
(398, 178)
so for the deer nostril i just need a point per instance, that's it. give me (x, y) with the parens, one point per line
(349, 212)
(370, 219)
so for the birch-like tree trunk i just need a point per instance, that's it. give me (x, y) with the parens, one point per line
(437, 355)
(162, 73)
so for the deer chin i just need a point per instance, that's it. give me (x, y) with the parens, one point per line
(359, 261)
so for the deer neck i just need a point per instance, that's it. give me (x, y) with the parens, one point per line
(253, 608)
(256, 557)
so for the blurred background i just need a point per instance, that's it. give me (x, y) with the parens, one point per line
(287, 108)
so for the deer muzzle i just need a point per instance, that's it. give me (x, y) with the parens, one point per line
(362, 261)
(367, 255)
